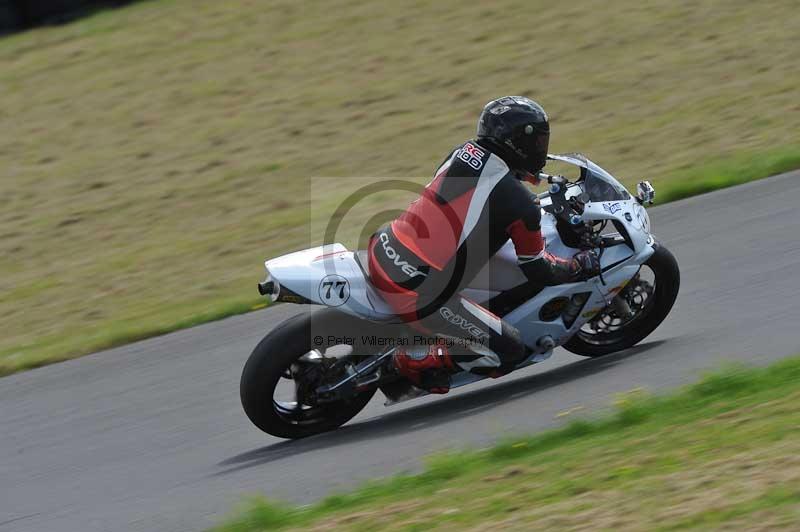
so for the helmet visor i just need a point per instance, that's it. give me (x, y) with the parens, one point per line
(538, 153)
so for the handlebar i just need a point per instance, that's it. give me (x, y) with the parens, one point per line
(558, 179)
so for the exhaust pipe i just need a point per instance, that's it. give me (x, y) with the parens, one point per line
(266, 287)
(279, 294)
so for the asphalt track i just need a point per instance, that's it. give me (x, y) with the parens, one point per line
(151, 436)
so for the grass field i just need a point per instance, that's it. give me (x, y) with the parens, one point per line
(151, 157)
(723, 454)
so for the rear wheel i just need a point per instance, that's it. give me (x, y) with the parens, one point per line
(279, 380)
(649, 295)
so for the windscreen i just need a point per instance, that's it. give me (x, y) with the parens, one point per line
(604, 188)
(598, 184)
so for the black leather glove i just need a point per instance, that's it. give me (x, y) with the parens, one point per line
(586, 265)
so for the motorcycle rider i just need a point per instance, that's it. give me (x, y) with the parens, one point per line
(473, 205)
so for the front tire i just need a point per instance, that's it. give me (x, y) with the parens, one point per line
(667, 279)
(271, 361)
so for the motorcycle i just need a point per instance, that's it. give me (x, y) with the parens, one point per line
(317, 370)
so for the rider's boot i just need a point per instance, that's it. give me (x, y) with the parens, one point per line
(427, 368)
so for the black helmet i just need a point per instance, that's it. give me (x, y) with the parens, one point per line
(518, 130)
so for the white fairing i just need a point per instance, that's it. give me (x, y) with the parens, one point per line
(306, 272)
(500, 273)
(332, 276)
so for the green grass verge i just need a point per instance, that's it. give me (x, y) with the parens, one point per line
(69, 346)
(728, 172)
(724, 451)
(151, 157)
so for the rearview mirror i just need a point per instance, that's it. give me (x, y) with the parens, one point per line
(645, 192)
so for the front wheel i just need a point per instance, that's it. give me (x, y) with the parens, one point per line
(649, 295)
(281, 375)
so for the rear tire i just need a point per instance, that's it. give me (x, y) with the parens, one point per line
(667, 285)
(269, 362)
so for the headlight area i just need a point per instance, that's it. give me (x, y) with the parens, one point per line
(271, 288)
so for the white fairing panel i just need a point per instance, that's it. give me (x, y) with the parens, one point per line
(331, 276)
(527, 319)
(500, 273)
